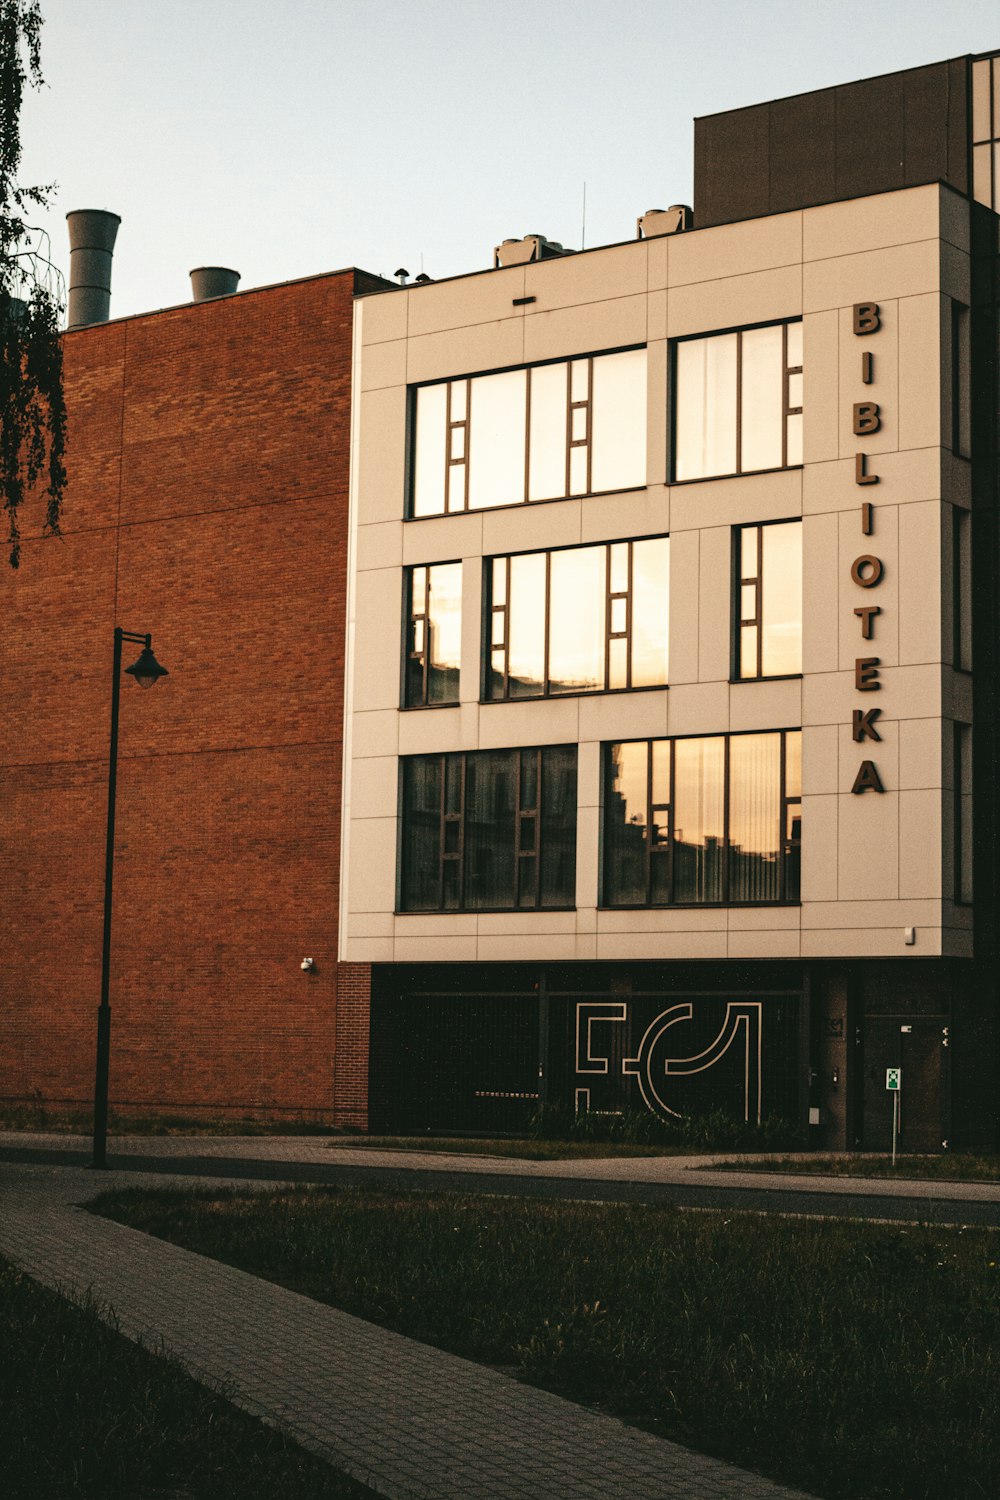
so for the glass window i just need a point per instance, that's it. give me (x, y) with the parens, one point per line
(618, 422)
(434, 634)
(738, 402)
(714, 820)
(578, 620)
(768, 612)
(961, 568)
(497, 439)
(963, 813)
(538, 433)
(489, 830)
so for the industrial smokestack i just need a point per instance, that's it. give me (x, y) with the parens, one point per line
(213, 281)
(92, 234)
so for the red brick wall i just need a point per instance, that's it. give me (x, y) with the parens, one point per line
(207, 504)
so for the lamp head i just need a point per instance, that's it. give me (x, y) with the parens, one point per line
(146, 669)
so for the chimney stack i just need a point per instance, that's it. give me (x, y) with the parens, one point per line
(213, 281)
(92, 234)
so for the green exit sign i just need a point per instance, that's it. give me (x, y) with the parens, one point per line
(893, 1078)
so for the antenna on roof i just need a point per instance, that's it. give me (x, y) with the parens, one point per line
(583, 226)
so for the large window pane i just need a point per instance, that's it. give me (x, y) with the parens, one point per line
(762, 399)
(705, 428)
(716, 827)
(558, 825)
(429, 450)
(488, 830)
(526, 626)
(496, 439)
(781, 640)
(699, 811)
(547, 449)
(421, 845)
(444, 633)
(650, 611)
(576, 619)
(618, 421)
(625, 831)
(490, 799)
(755, 832)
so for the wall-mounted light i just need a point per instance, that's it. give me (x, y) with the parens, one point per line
(307, 965)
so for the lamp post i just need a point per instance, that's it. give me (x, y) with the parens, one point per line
(146, 670)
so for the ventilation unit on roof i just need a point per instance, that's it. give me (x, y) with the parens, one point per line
(657, 221)
(531, 247)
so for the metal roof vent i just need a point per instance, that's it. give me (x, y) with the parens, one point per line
(213, 281)
(531, 247)
(657, 221)
(92, 234)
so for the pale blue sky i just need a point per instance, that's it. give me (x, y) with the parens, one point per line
(290, 138)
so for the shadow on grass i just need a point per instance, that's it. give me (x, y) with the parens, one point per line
(848, 1359)
(86, 1413)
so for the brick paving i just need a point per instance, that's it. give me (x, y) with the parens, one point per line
(412, 1422)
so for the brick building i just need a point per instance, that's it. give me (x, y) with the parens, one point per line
(207, 503)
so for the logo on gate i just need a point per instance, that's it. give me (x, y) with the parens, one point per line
(660, 1057)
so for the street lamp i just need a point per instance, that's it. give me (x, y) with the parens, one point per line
(146, 670)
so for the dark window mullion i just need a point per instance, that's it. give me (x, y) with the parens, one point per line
(628, 617)
(527, 432)
(725, 824)
(649, 822)
(759, 601)
(607, 617)
(784, 395)
(783, 840)
(548, 613)
(739, 402)
(671, 884)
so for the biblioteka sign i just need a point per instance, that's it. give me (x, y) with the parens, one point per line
(867, 570)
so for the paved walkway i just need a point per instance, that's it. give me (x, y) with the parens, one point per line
(410, 1421)
(690, 1181)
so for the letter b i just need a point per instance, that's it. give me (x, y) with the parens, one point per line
(866, 317)
(866, 418)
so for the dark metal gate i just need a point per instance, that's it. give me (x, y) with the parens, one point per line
(457, 1062)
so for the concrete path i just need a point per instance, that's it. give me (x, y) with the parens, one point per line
(688, 1181)
(410, 1421)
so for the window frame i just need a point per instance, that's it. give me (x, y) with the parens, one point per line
(736, 603)
(456, 855)
(449, 462)
(409, 620)
(490, 610)
(787, 411)
(665, 850)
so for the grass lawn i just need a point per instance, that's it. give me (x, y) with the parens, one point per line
(951, 1167)
(88, 1414)
(521, 1150)
(848, 1359)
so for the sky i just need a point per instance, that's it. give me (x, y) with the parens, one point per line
(285, 138)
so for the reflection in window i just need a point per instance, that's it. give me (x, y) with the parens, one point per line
(539, 433)
(738, 402)
(768, 610)
(489, 830)
(963, 812)
(986, 131)
(708, 821)
(434, 634)
(579, 620)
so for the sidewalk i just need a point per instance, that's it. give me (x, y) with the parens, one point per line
(689, 1181)
(412, 1422)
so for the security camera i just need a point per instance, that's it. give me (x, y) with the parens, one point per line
(307, 965)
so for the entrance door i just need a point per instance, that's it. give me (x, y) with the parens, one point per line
(917, 1046)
